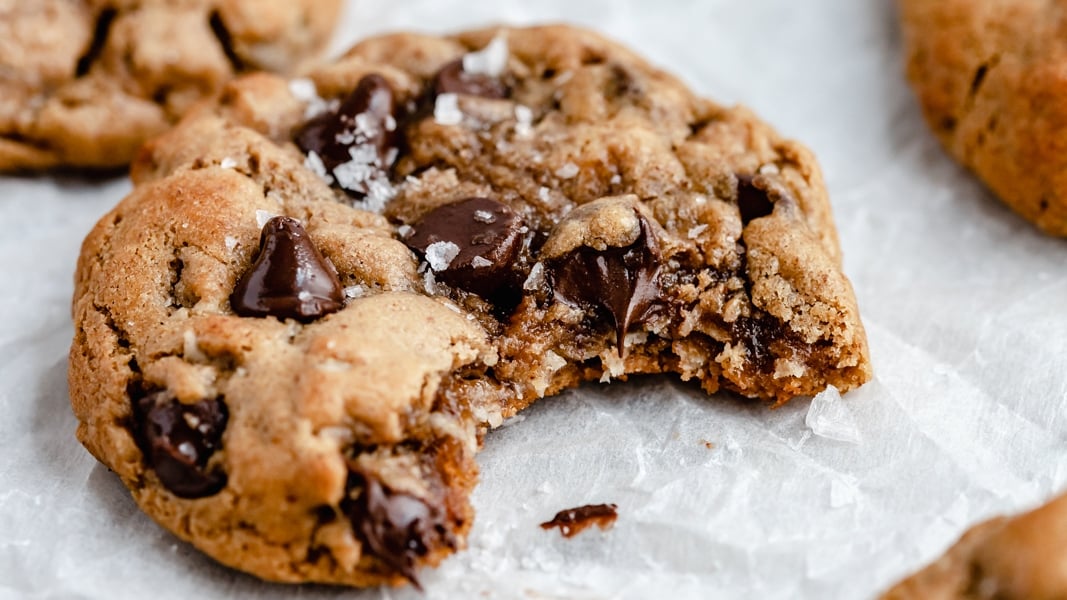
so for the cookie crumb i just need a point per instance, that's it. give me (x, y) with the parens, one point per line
(446, 110)
(573, 521)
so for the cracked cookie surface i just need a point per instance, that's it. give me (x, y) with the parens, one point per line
(1007, 558)
(989, 77)
(83, 83)
(292, 335)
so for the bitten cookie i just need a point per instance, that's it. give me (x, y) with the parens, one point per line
(1017, 558)
(989, 76)
(83, 83)
(292, 335)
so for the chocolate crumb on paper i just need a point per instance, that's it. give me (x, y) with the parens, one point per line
(573, 521)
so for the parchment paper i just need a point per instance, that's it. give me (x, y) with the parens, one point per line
(964, 304)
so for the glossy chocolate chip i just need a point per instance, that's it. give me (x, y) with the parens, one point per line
(753, 199)
(452, 79)
(399, 528)
(362, 133)
(178, 439)
(620, 281)
(289, 278)
(471, 244)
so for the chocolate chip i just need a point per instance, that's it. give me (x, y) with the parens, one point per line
(452, 79)
(399, 528)
(621, 281)
(178, 439)
(363, 133)
(753, 198)
(483, 237)
(289, 279)
(757, 333)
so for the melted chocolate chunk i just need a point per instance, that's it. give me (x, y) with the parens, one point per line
(178, 439)
(753, 199)
(452, 79)
(362, 132)
(573, 521)
(757, 333)
(487, 236)
(621, 281)
(399, 528)
(289, 278)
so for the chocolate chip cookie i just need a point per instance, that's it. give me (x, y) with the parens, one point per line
(84, 82)
(1017, 558)
(988, 74)
(292, 335)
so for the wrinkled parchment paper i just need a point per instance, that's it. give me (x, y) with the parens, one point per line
(964, 304)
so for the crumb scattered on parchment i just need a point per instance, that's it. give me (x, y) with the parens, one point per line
(573, 521)
(707, 444)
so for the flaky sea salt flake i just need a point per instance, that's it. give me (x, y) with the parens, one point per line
(228, 163)
(446, 110)
(440, 254)
(484, 216)
(491, 60)
(478, 262)
(262, 216)
(230, 241)
(535, 278)
(314, 163)
(303, 89)
(694, 232)
(523, 120)
(829, 418)
(567, 171)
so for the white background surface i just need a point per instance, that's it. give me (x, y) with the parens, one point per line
(964, 305)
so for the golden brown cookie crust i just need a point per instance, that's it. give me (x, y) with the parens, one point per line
(83, 83)
(1008, 558)
(398, 386)
(988, 74)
